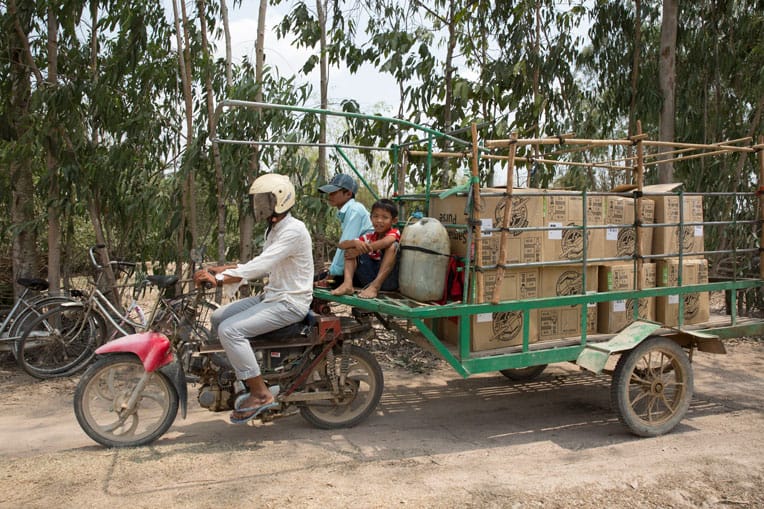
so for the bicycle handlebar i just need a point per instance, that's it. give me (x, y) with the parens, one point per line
(91, 252)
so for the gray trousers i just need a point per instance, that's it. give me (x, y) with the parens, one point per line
(236, 322)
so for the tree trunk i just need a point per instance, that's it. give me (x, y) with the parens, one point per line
(187, 199)
(448, 83)
(108, 281)
(54, 198)
(23, 254)
(246, 219)
(220, 192)
(227, 33)
(324, 87)
(667, 82)
(635, 66)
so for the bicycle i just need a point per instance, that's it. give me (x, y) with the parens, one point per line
(63, 340)
(32, 303)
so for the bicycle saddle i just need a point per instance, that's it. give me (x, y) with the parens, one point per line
(162, 281)
(33, 283)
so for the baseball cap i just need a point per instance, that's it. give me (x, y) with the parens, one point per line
(340, 181)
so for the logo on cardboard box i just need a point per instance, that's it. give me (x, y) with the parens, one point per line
(570, 282)
(519, 216)
(507, 325)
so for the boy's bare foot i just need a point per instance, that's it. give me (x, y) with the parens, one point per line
(368, 293)
(343, 290)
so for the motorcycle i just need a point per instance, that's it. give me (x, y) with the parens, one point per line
(131, 395)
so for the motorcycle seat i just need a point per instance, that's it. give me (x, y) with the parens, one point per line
(293, 333)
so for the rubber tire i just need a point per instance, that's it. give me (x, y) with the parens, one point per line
(622, 385)
(524, 374)
(92, 376)
(359, 356)
(95, 332)
(37, 308)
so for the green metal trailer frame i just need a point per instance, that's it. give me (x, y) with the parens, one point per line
(590, 351)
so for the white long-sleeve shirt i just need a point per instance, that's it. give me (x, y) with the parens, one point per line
(287, 260)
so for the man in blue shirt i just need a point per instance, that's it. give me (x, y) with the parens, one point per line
(353, 216)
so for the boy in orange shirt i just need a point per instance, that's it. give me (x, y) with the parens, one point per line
(376, 268)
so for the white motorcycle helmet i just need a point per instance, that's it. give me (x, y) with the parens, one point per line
(271, 194)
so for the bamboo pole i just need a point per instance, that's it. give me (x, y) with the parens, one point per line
(478, 234)
(504, 225)
(601, 143)
(423, 153)
(554, 141)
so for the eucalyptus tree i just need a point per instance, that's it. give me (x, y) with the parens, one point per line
(102, 113)
(17, 150)
(331, 32)
(667, 82)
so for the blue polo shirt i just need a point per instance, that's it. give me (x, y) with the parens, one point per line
(355, 221)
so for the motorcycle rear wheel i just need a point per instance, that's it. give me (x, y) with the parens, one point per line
(364, 384)
(105, 389)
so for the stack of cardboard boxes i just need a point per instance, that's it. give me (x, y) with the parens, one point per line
(610, 234)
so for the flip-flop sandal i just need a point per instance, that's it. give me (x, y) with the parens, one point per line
(239, 400)
(256, 411)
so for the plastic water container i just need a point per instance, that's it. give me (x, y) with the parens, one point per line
(425, 250)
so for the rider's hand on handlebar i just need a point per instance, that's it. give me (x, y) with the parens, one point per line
(204, 278)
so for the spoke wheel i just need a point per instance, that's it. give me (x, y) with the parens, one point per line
(360, 394)
(102, 397)
(59, 342)
(652, 387)
(524, 374)
(26, 316)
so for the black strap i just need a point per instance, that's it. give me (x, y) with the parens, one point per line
(424, 250)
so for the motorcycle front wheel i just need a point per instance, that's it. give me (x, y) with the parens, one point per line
(101, 402)
(360, 395)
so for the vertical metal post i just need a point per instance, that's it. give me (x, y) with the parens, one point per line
(428, 178)
(760, 153)
(680, 268)
(640, 177)
(584, 261)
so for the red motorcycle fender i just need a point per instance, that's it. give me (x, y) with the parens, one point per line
(152, 348)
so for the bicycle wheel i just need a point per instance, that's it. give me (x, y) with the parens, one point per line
(25, 316)
(59, 342)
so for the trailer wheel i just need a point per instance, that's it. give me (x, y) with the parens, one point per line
(652, 387)
(523, 374)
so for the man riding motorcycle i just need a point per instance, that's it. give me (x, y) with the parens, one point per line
(287, 260)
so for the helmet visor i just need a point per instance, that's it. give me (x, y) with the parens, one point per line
(263, 205)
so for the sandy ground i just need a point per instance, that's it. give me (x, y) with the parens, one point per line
(435, 441)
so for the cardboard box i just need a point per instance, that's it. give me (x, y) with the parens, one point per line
(567, 209)
(565, 321)
(490, 331)
(696, 305)
(498, 330)
(530, 208)
(620, 240)
(613, 316)
(527, 211)
(667, 210)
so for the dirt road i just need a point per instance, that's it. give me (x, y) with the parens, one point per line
(435, 441)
